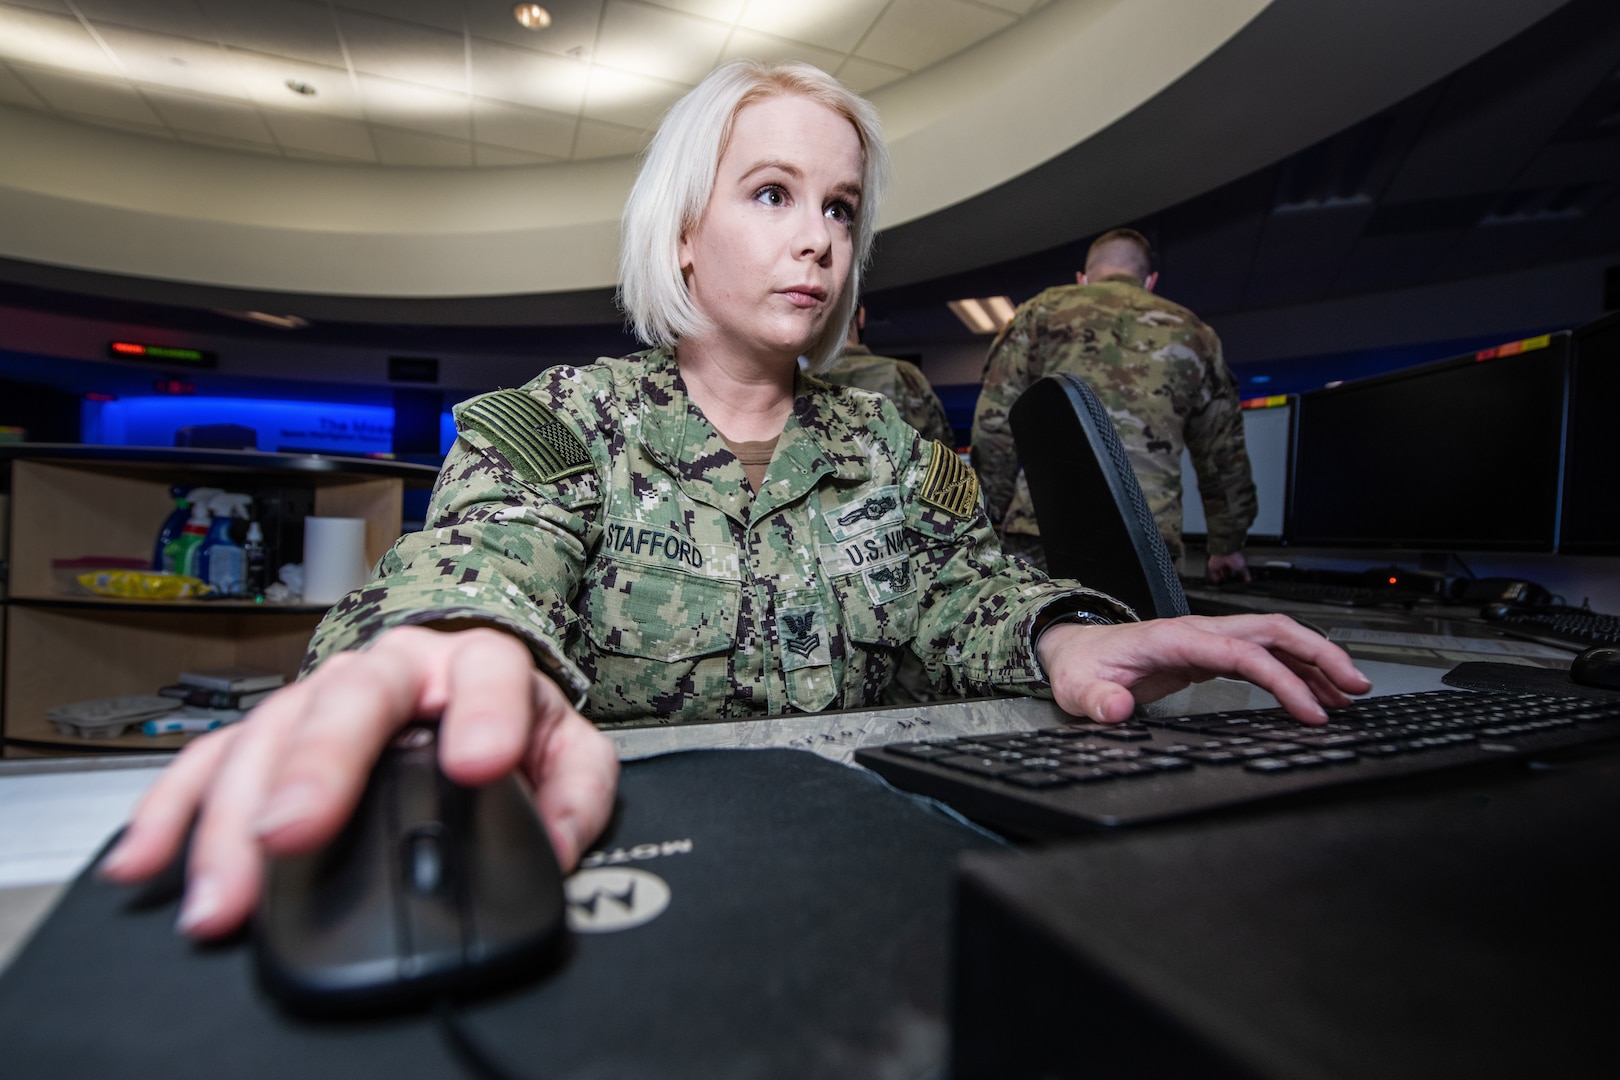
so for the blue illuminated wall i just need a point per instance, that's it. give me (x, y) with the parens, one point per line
(320, 427)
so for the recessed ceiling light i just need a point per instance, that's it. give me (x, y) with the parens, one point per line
(531, 16)
(280, 322)
(301, 88)
(986, 316)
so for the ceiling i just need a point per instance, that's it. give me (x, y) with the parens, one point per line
(441, 83)
(160, 202)
(1512, 161)
(1446, 151)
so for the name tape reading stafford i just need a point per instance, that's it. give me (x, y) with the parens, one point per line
(635, 541)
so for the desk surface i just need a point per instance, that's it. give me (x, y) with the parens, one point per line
(56, 813)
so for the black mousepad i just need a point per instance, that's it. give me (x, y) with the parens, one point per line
(803, 933)
(1522, 679)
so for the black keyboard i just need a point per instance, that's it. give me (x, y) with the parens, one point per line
(1071, 779)
(1319, 592)
(1569, 626)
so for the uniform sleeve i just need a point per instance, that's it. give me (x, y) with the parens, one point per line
(1214, 437)
(1008, 371)
(502, 546)
(978, 609)
(921, 406)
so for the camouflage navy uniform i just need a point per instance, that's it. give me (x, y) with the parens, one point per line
(597, 514)
(904, 384)
(1157, 370)
(901, 382)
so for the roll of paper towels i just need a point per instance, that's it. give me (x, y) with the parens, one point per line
(334, 558)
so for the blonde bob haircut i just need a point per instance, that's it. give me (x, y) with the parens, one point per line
(677, 176)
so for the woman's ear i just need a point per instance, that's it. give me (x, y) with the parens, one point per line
(683, 251)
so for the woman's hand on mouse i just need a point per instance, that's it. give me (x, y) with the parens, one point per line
(1104, 672)
(284, 780)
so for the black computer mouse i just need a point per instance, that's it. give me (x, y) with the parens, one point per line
(1597, 666)
(431, 890)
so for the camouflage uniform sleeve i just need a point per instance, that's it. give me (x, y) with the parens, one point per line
(1008, 371)
(978, 609)
(921, 406)
(1214, 437)
(508, 528)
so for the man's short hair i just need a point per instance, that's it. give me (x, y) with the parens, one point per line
(1122, 249)
(677, 177)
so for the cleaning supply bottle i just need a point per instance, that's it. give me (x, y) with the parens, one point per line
(196, 497)
(171, 525)
(253, 556)
(180, 557)
(221, 562)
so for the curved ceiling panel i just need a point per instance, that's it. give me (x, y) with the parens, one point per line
(85, 197)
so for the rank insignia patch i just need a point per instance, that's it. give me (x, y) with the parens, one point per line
(950, 485)
(540, 447)
(802, 632)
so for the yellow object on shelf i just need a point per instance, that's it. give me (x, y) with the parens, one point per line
(142, 584)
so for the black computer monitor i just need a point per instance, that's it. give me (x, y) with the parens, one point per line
(1268, 433)
(1458, 455)
(1589, 523)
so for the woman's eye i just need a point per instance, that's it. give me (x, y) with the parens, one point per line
(841, 212)
(771, 195)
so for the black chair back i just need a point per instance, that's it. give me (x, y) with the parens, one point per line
(1095, 523)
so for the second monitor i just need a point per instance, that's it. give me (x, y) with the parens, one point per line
(1462, 454)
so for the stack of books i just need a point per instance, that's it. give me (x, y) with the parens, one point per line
(213, 696)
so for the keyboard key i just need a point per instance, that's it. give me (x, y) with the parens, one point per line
(923, 750)
(1126, 734)
(984, 766)
(1037, 781)
(1087, 774)
(1212, 757)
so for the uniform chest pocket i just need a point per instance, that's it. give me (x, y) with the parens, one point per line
(659, 614)
(880, 603)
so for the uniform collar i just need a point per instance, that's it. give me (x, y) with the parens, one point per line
(819, 439)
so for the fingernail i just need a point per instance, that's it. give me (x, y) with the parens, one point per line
(565, 831)
(286, 806)
(200, 905)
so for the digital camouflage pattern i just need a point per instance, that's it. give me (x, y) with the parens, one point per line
(655, 584)
(901, 382)
(1157, 370)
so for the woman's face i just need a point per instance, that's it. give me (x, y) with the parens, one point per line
(771, 254)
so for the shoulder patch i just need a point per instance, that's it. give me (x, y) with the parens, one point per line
(539, 446)
(950, 485)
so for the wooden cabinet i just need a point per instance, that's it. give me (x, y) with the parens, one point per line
(69, 502)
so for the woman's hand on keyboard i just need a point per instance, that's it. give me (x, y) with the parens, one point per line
(1104, 672)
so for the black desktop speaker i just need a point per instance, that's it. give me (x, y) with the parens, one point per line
(1095, 523)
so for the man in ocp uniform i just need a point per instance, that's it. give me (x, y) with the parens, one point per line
(1158, 371)
(901, 382)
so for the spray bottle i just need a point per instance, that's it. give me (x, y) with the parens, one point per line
(173, 550)
(171, 525)
(180, 557)
(221, 562)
